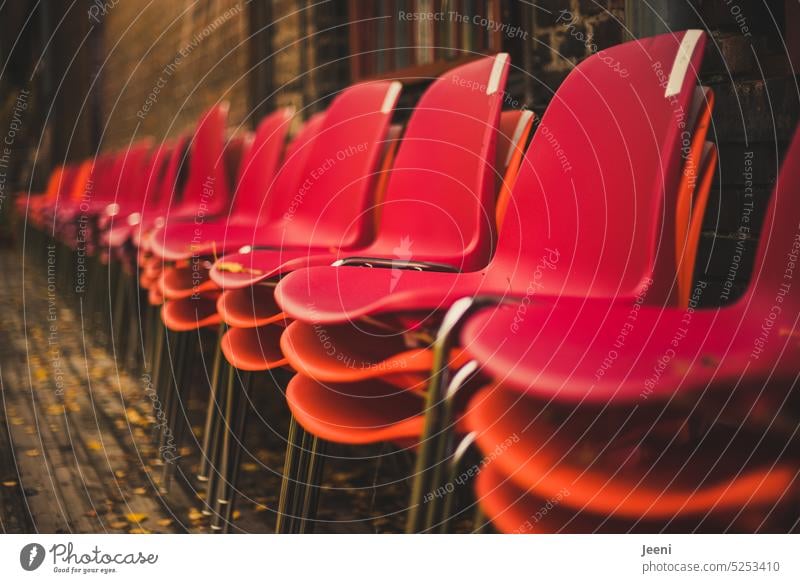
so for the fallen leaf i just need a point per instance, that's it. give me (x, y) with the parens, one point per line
(249, 467)
(119, 474)
(236, 514)
(55, 409)
(118, 524)
(135, 517)
(234, 267)
(94, 445)
(17, 421)
(139, 531)
(32, 452)
(134, 417)
(195, 514)
(140, 491)
(10, 483)
(165, 522)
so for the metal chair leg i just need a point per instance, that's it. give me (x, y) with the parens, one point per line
(173, 432)
(313, 485)
(443, 444)
(286, 499)
(236, 407)
(211, 409)
(444, 513)
(446, 338)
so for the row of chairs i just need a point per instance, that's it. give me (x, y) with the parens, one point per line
(455, 291)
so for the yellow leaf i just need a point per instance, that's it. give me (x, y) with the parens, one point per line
(195, 514)
(55, 410)
(140, 491)
(119, 474)
(9, 483)
(32, 453)
(118, 525)
(139, 531)
(165, 522)
(249, 467)
(17, 421)
(135, 517)
(236, 514)
(40, 374)
(94, 445)
(234, 267)
(133, 416)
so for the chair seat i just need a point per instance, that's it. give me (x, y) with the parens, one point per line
(347, 354)
(253, 349)
(344, 294)
(179, 282)
(190, 314)
(513, 511)
(249, 307)
(241, 270)
(597, 350)
(355, 413)
(630, 468)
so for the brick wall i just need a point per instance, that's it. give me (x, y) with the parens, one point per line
(568, 31)
(166, 62)
(756, 112)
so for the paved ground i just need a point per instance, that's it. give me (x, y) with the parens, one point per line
(75, 447)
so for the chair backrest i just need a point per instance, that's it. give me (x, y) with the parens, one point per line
(330, 208)
(131, 182)
(777, 265)
(515, 129)
(207, 180)
(597, 186)
(289, 176)
(441, 191)
(104, 178)
(236, 149)
(83, 172)
(57, 177)
(157, 171)
(260, 162)
(171, 186)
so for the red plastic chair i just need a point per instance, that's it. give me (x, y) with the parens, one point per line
(633, 465)
(507, 273)
(726, 367)
(435, 166)
(557, 352)
(437, 156)
(693, 191)
(119, 219)
(206, 192)
(359, 115)
(514, 510)
(589, 250)
(257, 173)
(619, 261)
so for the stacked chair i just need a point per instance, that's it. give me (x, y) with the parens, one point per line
(693, 427)
(560, 237)
(460, 290)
